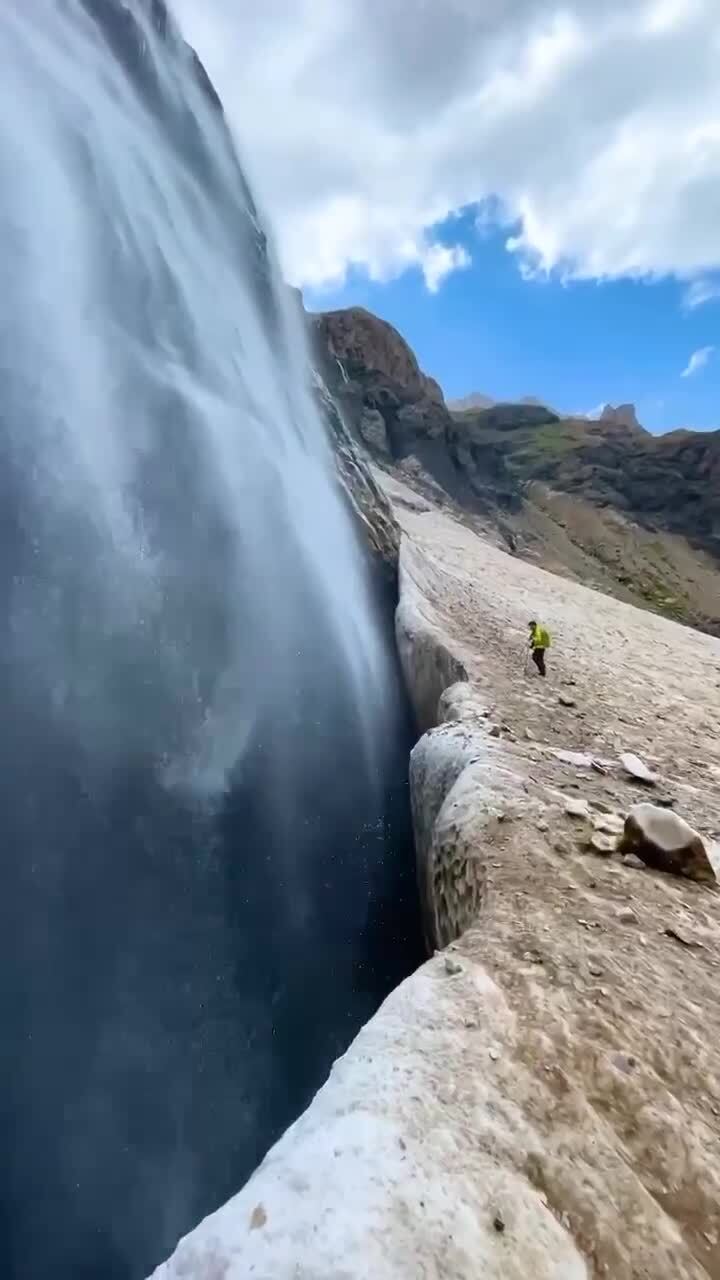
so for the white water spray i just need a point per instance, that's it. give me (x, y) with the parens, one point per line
(200, 817)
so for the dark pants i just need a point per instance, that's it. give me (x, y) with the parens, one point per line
(538, 657)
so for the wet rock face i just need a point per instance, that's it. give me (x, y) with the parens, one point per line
(374, 431)
(365, 344)
(663, 840)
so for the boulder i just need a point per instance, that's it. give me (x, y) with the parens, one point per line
(664, 840)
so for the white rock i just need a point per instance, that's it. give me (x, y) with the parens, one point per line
(610, 823)
(580, 759)
(637, 768)
(632, 860)
(576, 808)
(602, 843)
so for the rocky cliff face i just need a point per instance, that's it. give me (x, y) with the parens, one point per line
(602, 501)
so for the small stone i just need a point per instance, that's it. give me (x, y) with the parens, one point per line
(626, 915)
(542, 824)
(494, 1054)
(611, 823)
(637, 769)
(576, 808)
(258, 1218)
(529, 735)
(624, 1062)
(494, 731)
(452, 967)
(684, 938)
(598, 767)
(499, 1223)
(602, 844)
(632, 860)
(565, 700)
(595, 971)
(581, 759)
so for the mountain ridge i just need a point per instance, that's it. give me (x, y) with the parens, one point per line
(600, 500)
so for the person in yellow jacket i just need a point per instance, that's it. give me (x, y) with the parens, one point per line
(539, 642)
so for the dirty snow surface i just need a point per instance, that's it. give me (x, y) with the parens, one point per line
(542, 1099)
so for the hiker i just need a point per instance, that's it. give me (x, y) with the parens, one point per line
(539, 642)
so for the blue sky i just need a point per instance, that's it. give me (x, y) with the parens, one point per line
(590, 128)
(575, 345)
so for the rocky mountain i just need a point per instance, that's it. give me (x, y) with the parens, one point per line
(622, 416)
(602, 501)
(476, 400)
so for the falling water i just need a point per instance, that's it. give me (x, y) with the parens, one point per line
(201, 811)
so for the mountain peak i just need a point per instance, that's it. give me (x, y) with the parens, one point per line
(475, 400)
(622, 415)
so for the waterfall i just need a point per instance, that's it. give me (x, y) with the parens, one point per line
(201, 796)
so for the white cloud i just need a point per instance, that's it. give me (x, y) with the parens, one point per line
(700, 292)
(439, 260)
(366, 123)
(697, 361)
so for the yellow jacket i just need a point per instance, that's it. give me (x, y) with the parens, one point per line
(540, 637)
